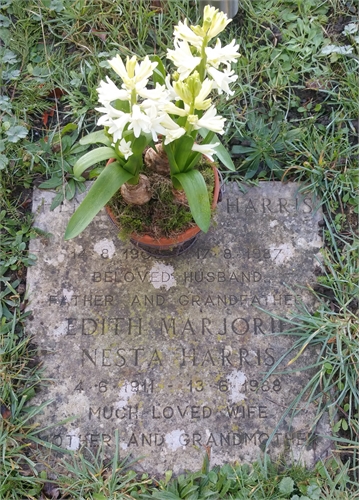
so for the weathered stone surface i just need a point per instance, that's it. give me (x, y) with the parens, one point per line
(172, 353)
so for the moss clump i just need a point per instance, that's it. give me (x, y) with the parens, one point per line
(161, 216)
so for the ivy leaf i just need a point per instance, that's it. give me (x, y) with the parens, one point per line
(4, 21)
(16, 132)
(314, 491)
(286, 485)
(11, 75)
(9, 57)
(5, 103)
(56, 5)
(3, 161)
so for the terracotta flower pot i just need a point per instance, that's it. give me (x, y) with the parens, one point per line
(167, 247)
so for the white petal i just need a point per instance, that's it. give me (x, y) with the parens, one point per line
(109, 92)
(206, 149)
(184, 32)
(183, 59)
(172, 135)
(222, 79)
(222, 55)
(125, 148)
(211, 121)
(117, 65)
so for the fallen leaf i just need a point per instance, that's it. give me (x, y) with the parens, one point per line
(5, 412)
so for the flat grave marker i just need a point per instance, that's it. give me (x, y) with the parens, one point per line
(171, 353)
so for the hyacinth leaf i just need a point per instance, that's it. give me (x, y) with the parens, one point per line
(221, 152)
(193, 160)
(159, 73)
(197, 195)
(138, 144)
(171, 158)
(183, 151)
(95, 138)
(223, 155)
(109, 181)
(89, 159)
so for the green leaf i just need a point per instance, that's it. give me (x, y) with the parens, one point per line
(96, 137)
(102, 190)
(171, 158)
(3, 161)
(197, 195)
(9, 57)
(5, 103)
(89, 159)
(58, 199)
(344, 425)
(70, 127)
(70, 189)
(134, 165)
(183, 150)
(99, 496)
(314, 492)
(16, 132)
(11, 75)
(286, 485)
(223, 155)
(241, 150)
(221, 152)
(4, 21)
(52, 183)
(159, 73)
(138, 144)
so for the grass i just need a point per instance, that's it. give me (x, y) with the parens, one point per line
(294, 116)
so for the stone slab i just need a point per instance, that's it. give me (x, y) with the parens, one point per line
(171, 353)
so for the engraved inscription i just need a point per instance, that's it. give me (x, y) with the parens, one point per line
(171, 355)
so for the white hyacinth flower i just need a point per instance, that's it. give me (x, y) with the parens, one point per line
(134, 75)
(114, 119)
(183, 59)
(159, 94)
(172, 109)
(206, 149)
(110, 111)
(184, 32)
(172, 135)
(193, 120)
(222, 79)
(222, 55)
(109, 92)
(173, 131)
(172, 96)
(200, 101)
(211, 121)
(139, 121)
(156, 118)
(117, 126)
(125, 148)
(214, 22)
